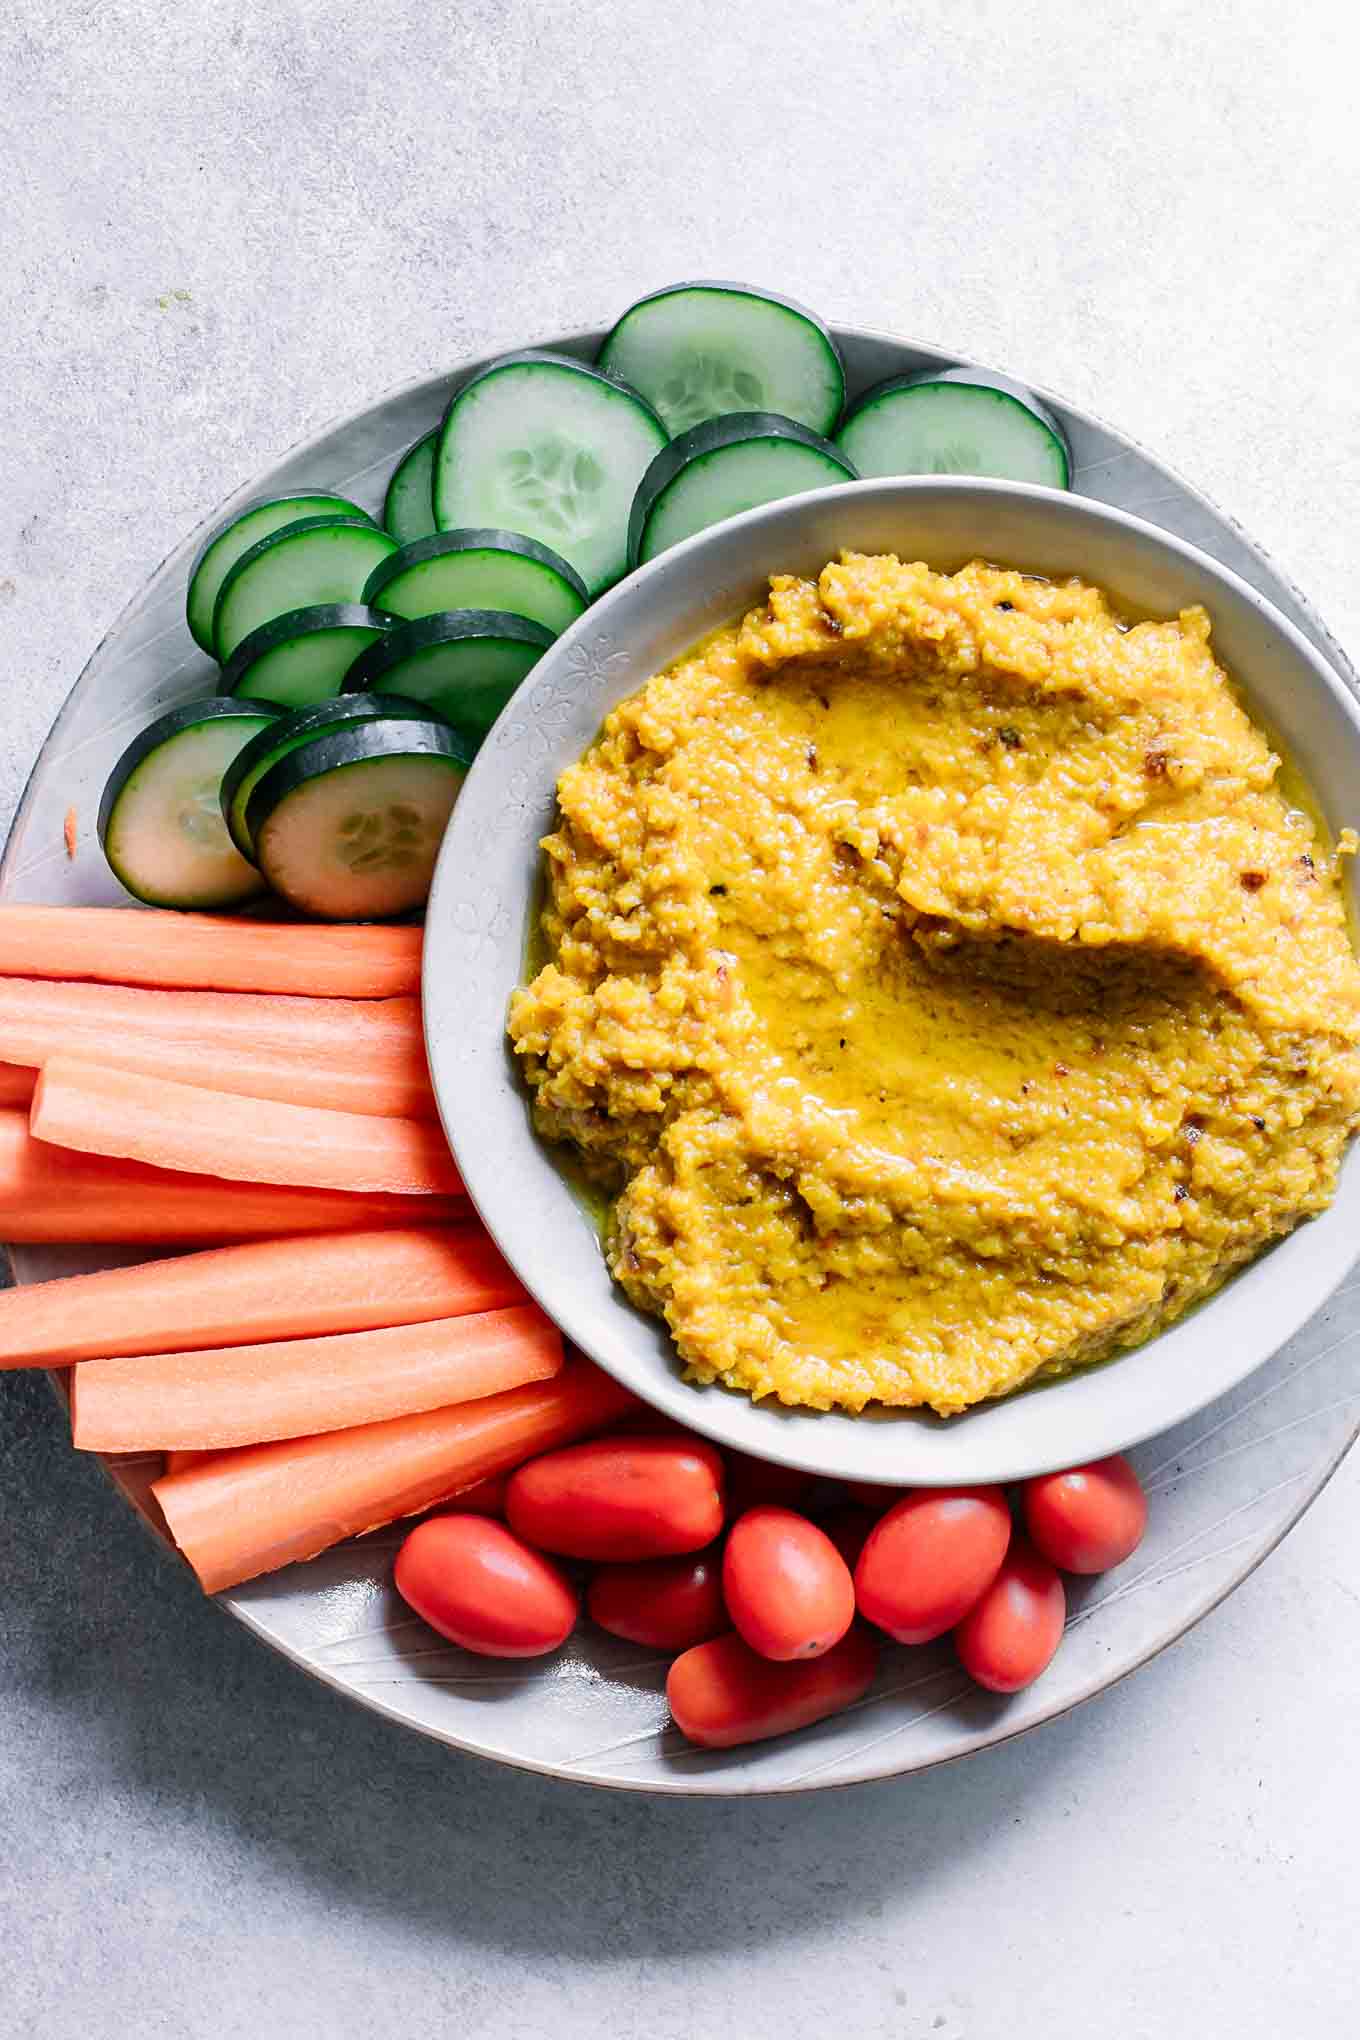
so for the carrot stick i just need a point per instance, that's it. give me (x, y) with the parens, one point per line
(136, 1118)
(216, 953)
(54, 1194)
(351, 1055)
(16, 1086)
(271, 1289)
(483, 1498)
(294, 1388)
(265, 1506)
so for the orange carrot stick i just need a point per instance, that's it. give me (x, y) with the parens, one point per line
(147, 946)
(294, 1388)
(350, 1055)
(270, 1289)
(16, 1086)
(54, 1194)
(136, 1118)
(483, 1498)
(255, 1510)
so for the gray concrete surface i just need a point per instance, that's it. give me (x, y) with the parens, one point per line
(224, 223)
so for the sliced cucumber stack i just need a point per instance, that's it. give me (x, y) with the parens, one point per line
(224, 546)
(702, 350)
(727, 465)
(303, 655)
(479, 570)
(348, 827)
(160, 824)
(956, 421)
(319, 559)
(542, 444)
(408, 509)
(466, 663)
(278, 738)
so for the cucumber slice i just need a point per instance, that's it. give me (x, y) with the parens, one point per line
(160, 825)
(348, 827)
(222, 547)
(303, 655)
(545, 445)
(278, 738)
(703, 350)
(479, 570)
(720, 468)
(319, 559)
(466, 662)
(408, 509)
(956, 421)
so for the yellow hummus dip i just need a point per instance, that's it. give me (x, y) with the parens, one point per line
(941, 985)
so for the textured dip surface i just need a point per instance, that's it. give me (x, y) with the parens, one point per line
(941, 985)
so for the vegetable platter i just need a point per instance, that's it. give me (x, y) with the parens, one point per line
(1221, 1491)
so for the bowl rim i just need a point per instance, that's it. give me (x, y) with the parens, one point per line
(489, 1170)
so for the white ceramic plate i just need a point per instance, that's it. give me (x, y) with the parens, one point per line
(1225, 1486)
(486, 888)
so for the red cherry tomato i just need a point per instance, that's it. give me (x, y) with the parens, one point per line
(1089, 1518)
(787, 1588)
(751, 1482)
(666, 1603)
(723, 1693)
(620, 1498)
(930, 1558)
(483, 1498)
(848, 1527)
(473, 1581)
(1009, 1636)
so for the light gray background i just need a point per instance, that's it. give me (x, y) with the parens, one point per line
(224, 223)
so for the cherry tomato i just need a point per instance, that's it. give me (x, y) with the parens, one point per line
(1089, 1518)
(620, 1498)
(848, 1527)
(723, 1693)
(666, 1603)
(483, 1498)
(930, 1558)
(1009, 1636)
(476, 1583)
(787, 1588)
(753, 1481)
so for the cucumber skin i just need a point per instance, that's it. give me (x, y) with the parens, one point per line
(978, 379)
(290, 531)
(175, 720)
(282, 629)
(746, 290)
(735, 428)
(470, 538)
(342, 748)
(396, 486)
(443, 627)
(303, 725)
(343, 508)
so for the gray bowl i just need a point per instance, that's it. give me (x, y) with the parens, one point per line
(486, 884)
